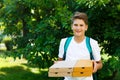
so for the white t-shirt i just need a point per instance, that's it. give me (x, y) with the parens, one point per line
(77, 51)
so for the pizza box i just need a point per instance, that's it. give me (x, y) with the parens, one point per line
(82, 68)
(77, 68)
(61, 68)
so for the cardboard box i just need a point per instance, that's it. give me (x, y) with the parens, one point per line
(78, 68)
(61, 68)
(82, 68)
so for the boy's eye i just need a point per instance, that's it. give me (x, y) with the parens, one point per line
(75, 24)
(81, 24)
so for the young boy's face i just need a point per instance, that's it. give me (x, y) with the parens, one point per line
(79, 27)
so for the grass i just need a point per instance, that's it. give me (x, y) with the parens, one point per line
(18, 69)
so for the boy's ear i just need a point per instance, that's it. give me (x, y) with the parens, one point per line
(86, 27)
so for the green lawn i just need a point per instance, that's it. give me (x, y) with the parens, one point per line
(18, 69)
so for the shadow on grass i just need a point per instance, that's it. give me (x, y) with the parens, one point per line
(44, 74)
(19, 73)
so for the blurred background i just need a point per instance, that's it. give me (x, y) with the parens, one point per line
(31, 30)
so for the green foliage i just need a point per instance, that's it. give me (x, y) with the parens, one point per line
(36, 27)
(111, 66)
(35, 33)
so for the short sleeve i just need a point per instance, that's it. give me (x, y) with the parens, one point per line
(95, 50)
(61, 48)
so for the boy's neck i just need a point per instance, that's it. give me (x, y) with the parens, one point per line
(79, 39)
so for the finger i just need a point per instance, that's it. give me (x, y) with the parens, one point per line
(94, 66)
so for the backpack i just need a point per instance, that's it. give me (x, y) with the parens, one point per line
(67, 42)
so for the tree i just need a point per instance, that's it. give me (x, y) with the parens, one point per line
(30, 24)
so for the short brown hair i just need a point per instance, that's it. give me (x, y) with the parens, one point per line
(80, 15)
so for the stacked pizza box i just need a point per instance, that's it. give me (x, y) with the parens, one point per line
(80, 68)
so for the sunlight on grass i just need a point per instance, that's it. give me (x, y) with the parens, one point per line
(3, 73)
(19, 69)
(10, 62)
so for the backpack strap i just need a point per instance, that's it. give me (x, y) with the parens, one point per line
(89, 48)
(67, 42)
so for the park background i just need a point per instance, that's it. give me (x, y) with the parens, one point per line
(31, 31)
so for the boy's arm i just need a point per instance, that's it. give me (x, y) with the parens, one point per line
(60, 59)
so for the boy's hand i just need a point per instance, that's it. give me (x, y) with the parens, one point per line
(95, 66)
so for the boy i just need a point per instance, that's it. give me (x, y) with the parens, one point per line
(77, 47)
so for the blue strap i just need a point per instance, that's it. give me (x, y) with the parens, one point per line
(89, 48)
(66, 46)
